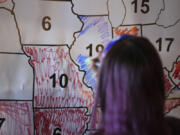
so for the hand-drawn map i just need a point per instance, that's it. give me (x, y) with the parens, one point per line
(45, 86)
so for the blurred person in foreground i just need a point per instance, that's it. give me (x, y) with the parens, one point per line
(131, 90)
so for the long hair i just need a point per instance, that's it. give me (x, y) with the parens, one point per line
(131, 89)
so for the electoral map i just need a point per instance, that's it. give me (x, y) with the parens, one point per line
(46, 87)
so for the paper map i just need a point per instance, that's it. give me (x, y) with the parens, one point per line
(45, 87)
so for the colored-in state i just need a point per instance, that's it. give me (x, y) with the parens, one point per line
(170, 104)
(17, 118)
(58, 82)
(71, 121)
(168, 84)
(96, 119)
(89, 76)
(99, 25)
(126, 30)
(176, 73)
(172, 90)
(96, 34)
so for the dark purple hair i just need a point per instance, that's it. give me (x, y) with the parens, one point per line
(131, 89)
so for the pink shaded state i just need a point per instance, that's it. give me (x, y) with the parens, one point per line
(18, 118)
(49, 60)
(176, 72)
(71, 121)
(96, 119)
(168, 85)
(3, 1)
(171, 104)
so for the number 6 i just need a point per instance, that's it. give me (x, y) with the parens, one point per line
(46, 23)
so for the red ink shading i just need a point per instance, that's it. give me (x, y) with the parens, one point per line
(171, 104)
(97, 119)
(49, 60)
(18, 118)
(71, 121)
(3, 1)
(122, 31)
(176, 73)
(168, 84)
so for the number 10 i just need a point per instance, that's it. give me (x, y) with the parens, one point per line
(61, 78)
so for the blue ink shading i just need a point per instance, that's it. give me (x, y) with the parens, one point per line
(101, 26)
(89, 77)
(93, 22)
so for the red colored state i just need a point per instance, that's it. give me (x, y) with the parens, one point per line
(96, 119)
(71, 121)
(18, 118)
(47, 61)
(168, 84)
(176, 73)
(171, 104)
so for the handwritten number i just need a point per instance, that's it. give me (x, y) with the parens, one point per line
(135, 5)
(57, 131)
(53, 77)
(159, 41)
(46, 23)
(99, 48)
(144, 6)
(1, 122)
(169, 40)
(63, 80)
(90, 49)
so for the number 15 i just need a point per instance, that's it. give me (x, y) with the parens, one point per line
(144, 6)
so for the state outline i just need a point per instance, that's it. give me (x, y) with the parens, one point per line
(60, 108)
(123, 17)
(33, 104)
(17, 27)
(163, 9)
(172, 107)
(170, 71)
(174, 86)
(60, 45)
(74, 35)
(122, 24)
(7, 8)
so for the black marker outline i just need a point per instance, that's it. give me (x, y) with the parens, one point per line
(173, 66)
(162, 10)
(66, 108)
(174, 106)
(173, 87)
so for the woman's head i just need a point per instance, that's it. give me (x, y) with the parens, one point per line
(131, 87)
